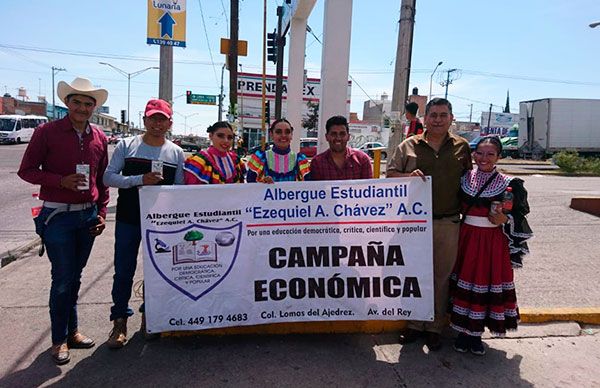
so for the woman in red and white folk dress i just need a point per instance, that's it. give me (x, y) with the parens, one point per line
(491, 244)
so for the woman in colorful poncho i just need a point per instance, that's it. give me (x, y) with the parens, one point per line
(492, 242)
(279, 163)
(217, 164)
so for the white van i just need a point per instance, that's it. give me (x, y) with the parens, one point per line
(15, 129)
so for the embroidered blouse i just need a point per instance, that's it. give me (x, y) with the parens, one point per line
(517, 229)
(281, 165)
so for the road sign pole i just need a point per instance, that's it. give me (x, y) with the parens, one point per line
(165, 82)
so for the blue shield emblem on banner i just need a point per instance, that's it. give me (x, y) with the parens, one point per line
(196, 259)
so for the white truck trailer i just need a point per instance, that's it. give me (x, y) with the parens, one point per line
(552, 125)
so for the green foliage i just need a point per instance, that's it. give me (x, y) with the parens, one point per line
(570, 161)
(193, 235)
(311, 121)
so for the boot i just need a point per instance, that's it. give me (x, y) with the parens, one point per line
(118, 335)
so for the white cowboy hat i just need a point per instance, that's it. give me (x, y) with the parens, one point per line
(84, 87)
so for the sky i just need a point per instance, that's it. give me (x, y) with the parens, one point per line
(533, 49)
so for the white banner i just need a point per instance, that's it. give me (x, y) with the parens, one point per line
(234, 255)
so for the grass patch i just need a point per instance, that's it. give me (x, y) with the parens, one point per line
(571, 162)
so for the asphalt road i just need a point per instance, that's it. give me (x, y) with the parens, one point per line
(16, 224)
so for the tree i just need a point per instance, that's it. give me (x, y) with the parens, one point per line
(311, 122)
(193, 236)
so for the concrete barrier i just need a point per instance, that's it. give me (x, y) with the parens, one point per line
(589, 205)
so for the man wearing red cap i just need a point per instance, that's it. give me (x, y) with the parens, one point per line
(148, 159)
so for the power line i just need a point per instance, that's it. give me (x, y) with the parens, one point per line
(529, 78)
(226, 18)
(475, 101)
(208, 42)
(99, 55)
(310, 31)
(13, 52)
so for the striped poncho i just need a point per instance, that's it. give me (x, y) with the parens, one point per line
(213, 166)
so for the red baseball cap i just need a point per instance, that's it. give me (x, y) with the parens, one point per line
(158, 106)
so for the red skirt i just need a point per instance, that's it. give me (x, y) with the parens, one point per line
(482, 285)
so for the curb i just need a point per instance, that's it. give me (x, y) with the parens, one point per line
(588, 315)
(14, 254)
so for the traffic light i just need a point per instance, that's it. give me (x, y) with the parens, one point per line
(272, 46)
(268, 113)
(188, 96)
(123, 116)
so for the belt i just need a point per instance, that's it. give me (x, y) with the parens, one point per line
(68, 207)
(481, 222)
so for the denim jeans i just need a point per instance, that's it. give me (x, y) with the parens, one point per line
(127, 244)
(68, 242)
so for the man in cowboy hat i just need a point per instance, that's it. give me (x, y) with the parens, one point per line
(67, 158)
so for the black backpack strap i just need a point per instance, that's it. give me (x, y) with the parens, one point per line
(485, 185)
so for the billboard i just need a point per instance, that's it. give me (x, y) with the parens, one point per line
(500, 123)
(249, 90)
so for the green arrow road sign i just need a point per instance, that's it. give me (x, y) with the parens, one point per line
(202, 99)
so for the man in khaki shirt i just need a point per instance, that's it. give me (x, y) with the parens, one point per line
(444, 157)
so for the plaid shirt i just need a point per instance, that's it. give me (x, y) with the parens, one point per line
(357, 165)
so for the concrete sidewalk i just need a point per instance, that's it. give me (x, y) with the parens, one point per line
(563, 354)
(562, 272)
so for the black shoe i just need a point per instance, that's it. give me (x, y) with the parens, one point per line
(462, 343)
(477, 346)
(433, 341)
(409, 336)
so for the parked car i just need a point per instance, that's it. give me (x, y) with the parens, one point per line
(112, 138)
(510, 147)
(257, 147)
(370, 146)
(308, 146)
(473, 143)
(187, 146)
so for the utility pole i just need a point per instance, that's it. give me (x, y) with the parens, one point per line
(279, 77)
(402, 70)
(448, 82)
(221, 95)
(232, 59)
(489, 118)
(54, 71)
(471, 112)
(165, 79)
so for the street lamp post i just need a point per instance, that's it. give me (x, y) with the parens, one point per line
(594, 25)
(431, 78)
(54, 71)
(129, 77)
(185, 117)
